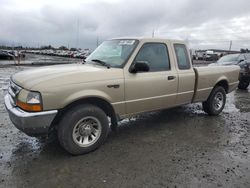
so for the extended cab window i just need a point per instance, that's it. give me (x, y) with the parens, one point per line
(182, 56)
(156, 55)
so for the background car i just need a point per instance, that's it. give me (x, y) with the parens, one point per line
(5, 55)
(243, 60)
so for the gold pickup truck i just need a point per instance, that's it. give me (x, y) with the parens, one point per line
(121, 78)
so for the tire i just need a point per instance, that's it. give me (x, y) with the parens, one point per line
(83, 129)
(243, 84)
(215, 102)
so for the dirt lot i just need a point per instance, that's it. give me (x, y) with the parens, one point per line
(180, 147)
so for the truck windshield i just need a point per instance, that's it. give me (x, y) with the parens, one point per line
(113, 52)
(228, 58)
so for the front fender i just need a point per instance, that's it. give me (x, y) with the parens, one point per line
(86, 94)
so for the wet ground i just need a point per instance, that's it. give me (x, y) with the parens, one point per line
(180, 147)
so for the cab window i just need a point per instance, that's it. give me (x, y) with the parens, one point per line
(156, 55)
(182, 56)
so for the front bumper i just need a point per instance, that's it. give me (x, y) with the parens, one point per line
(31, 123)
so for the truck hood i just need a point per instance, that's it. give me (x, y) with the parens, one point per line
(58, 75)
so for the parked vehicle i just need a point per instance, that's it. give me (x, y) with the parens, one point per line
(121, 78)
(243, 60)
(205, 56)
(210, 56)
(5, 55)
(82, 54)
(244, 75)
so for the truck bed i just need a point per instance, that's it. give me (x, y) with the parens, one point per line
(207, 77)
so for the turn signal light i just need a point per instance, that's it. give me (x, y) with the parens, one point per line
(29, 107)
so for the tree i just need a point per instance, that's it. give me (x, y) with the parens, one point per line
(244, 50)
(49, 47)
(63, 48)
(73, 49)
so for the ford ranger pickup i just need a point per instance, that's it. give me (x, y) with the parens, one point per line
(121, 78)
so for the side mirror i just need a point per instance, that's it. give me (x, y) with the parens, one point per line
(241, 60)
(139, 66)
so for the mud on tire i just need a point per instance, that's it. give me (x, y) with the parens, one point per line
(83, 129)
(215, 102)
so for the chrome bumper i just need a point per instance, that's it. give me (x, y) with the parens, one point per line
(31, 123)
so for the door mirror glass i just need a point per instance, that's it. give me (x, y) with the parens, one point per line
(139, 66)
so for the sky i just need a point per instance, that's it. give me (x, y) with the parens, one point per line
(84, 23)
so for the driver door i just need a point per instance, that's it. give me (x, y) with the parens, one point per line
(155, 89)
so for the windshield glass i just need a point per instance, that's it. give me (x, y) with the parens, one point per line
(113, 52)
(228, 58)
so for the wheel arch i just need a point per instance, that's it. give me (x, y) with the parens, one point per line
(223, 83)
(97, 101)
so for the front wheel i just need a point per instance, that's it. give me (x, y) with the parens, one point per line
(83, 129)
(215, 102)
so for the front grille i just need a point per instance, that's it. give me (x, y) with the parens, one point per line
(13, 92)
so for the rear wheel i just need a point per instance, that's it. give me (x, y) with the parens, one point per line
(83, 129)
(215, 102)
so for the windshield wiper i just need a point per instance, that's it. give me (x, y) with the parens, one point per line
(101, 62)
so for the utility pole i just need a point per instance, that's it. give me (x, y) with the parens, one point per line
(230, 45)
(77, 33)
(153, 33)
(97, 41)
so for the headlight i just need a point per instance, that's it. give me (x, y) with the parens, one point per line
(33, 98)
(33, 102)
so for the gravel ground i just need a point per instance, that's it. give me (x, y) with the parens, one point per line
(180, 147)
(35, 59)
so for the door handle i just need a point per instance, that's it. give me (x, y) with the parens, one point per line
(171, 77)
(113, 86)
